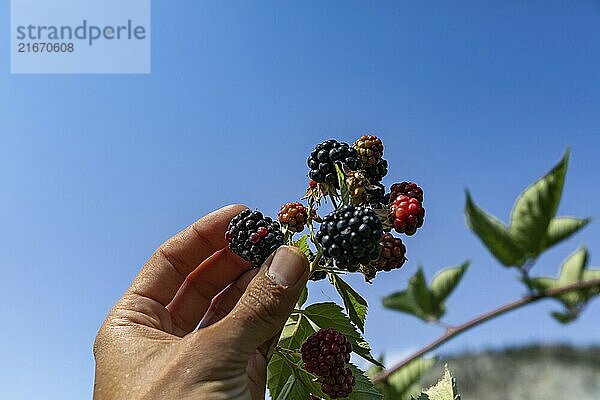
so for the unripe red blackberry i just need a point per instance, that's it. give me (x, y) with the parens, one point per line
(253, 236)
(375, 173)
(323, 158)
(293, 216)
(407, 214)
(409, 189)
(370, 150)
(324, 351)
(339, 383)
(392, 254)
(351, 236)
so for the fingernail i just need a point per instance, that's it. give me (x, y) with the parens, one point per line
(288, 266)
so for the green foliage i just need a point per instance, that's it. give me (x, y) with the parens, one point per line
(302, 245)
(404, 383)
(364, 388)
(494, 234)
(445, 389)
(355, 305)
(573, 270)
(343, 186)
(561, 228)
(426, 303)
(535, 208)
(533, 226)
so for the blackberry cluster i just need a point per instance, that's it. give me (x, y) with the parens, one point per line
(293, 216)
(326, 354)
(323, 158)
(393, 253)
(253, 236)
(351, 236)
(409, 189)
(375, 173)
(369, 149)
(407, 214)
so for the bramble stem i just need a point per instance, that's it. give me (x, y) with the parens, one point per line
(455, 331)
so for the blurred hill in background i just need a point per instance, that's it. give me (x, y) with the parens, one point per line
(557, 372)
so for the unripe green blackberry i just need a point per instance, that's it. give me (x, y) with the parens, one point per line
(323, 158)
(253, 236)
(370, 150)
(325, 350)
(351, 236)
(407, 214)
(293, 216)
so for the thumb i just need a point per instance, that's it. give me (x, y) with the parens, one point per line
(268, 301)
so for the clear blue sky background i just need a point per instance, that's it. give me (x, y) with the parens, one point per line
(96, 171)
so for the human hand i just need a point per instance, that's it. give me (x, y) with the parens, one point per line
(148, 346)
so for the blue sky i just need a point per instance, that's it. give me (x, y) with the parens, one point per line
(96, 171)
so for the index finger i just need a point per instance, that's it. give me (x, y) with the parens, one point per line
(168, 267)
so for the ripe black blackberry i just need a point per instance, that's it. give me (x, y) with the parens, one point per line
(409, 189)
(370, 150)
(393, 253)
(253, 236)
(324, 351)
(375, 173)
(407, 214)
(324, 156)
(339, 383)
(351, 236)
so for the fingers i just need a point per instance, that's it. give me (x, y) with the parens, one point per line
(169, 266)
(266, 304)
(195, 295)
(225, 301)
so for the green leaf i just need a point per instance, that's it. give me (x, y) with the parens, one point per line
(421, 293)
(355, 305)
(445, 281)
(303, 297)
(573, 270)
(364, 388)
(494, 234)
(445, 389)
(421, 301)
(295, 331)
(404, 383)
(278, 374)
(342, 183)
(562, 228)
(302, 245)
(535, 208)
(309, 382)
(404, 302)
(565, 317)
(330, 315)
